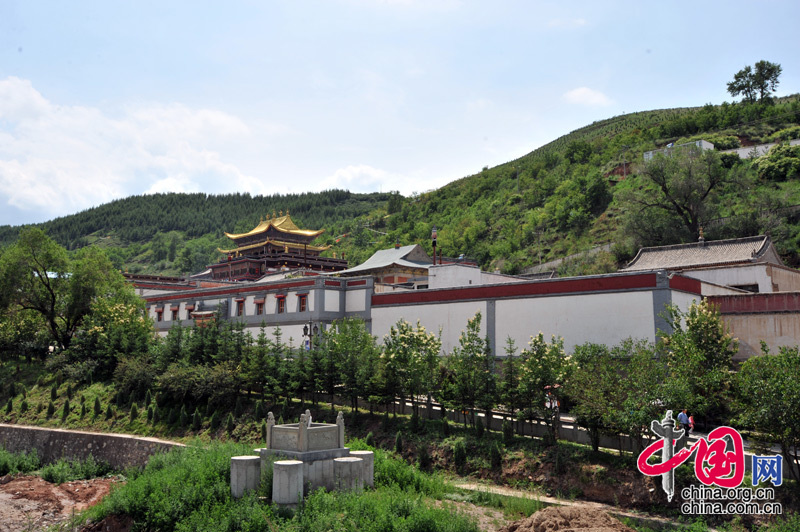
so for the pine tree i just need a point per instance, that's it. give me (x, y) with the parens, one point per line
(156, 415)
(259, 410)
(147, 398)
(150, 414)
(54, 392)
(479, 428)
(398, 443)
(66, 410)
(263, 432)
(51, 409)
(214, 423)
(238, 409)
(230, 424)
(23, 407)
(97, 408)
(9, 405)
(134, 411)
(197, 420)
(496, 457)
(184, 419)
(109, 411)
(83, 410)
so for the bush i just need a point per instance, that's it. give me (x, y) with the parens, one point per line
(156, 415)
(460, 454)
(263, 432)
(238, 409)
(424, 458)
(9, 405)
(150, 414)
(414, 423)
(51, 409)
(11, 463)
(66, 410)
(69, 391)
(230, 424)
(479, 428)
(508, 432)
(370, 440)
(54, 392)
(23, 407)
(67, 470)
(83, 410)
(97, 408)
(134, 411)
(215, 421)
(147, 398)
(109, 412)
(496, 457)
(134, 377)
(445, 427)
(259, 411)
(184, 418)
(197, 420)
(398, 443)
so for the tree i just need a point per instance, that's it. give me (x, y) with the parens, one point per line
(768, 392)
(37, 274)
(544, 371)
(415, 354)
(761, 80)
(677, 194)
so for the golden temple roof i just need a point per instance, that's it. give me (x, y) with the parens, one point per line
(293, 245)
(284, 224)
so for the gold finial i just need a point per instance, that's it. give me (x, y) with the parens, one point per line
(280, 212)
(287, 212)
(273, 214)
(262, 219)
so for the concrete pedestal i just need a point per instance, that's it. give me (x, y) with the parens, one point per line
(368, 468)
(245, 474)
(287, 482)
(348, 473)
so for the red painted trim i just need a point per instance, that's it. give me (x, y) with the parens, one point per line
(173, 308)
(257, 301)
(164, 286)
(536, 288)
(189, 308)
(362, 282)
(159, 310)
(280, 296)
(686, 284)
(237, 290)
(333, 283)
(757, 303)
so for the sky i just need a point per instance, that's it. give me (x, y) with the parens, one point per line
(102, 100)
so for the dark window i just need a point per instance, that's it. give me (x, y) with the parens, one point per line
(174, 315)
(281, 305)
(259, 308)
(239, 308)
(302, 303)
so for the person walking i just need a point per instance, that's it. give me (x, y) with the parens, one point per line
(683, 420)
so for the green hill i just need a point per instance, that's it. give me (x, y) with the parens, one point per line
(566, 197)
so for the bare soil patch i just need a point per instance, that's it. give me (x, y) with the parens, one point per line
(567, 519)
(32, 503)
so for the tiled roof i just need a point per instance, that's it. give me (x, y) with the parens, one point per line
(409, 256)
(700, 254)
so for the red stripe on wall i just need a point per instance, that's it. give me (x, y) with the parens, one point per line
(757, 303)
(362, 282)
(568, 286)
(333, 283)
(687, 284)
(230, 291)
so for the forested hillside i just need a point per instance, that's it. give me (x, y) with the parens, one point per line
(584, 189)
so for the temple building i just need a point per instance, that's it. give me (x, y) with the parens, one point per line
(274, 244)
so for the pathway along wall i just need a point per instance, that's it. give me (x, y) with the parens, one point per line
(118, 450)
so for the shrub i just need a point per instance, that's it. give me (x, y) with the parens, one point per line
(263, 432)
(445, 427)
(238, 409)
(460, 454)
(149, 414)
(23, 462)
(147, 398)
(66, 470)
(479, 428)
(414, 422)
(156, 415)
(370, 440)
(496, 457)
(66, 410)
(97, 408)
(134, 411)
(23, 407)
(230, 424)
(184, 419)
(398, 443)
(51, 409)
(424, 458)
(172, 418)
(54, 392)
(9, 405)
(109, 411)
(508, 432)
(259, 411)
(69, 391)
(214, 423)
(83, 410)
(197, 420)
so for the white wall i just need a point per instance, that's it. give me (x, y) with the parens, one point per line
(605, 318)
(356, 301)
(735, 276)
(450, 317)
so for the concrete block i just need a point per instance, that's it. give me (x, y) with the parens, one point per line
(245, 474)
(369, 466)
(287, 482)
(348, 473)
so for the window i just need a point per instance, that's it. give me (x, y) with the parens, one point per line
(239, 308)
(260, 308)
(302, 303)
(281, 305)
(174, 315)
(159, 314)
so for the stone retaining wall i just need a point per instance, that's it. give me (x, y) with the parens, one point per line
(119, 450)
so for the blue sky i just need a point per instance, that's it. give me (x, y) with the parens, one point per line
(102, 100)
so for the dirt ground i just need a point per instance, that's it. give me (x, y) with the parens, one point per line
(31, 503)
(567, 519)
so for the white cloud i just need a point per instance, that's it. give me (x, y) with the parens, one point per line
(57, 159)
(358, 178)
(586, 96)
